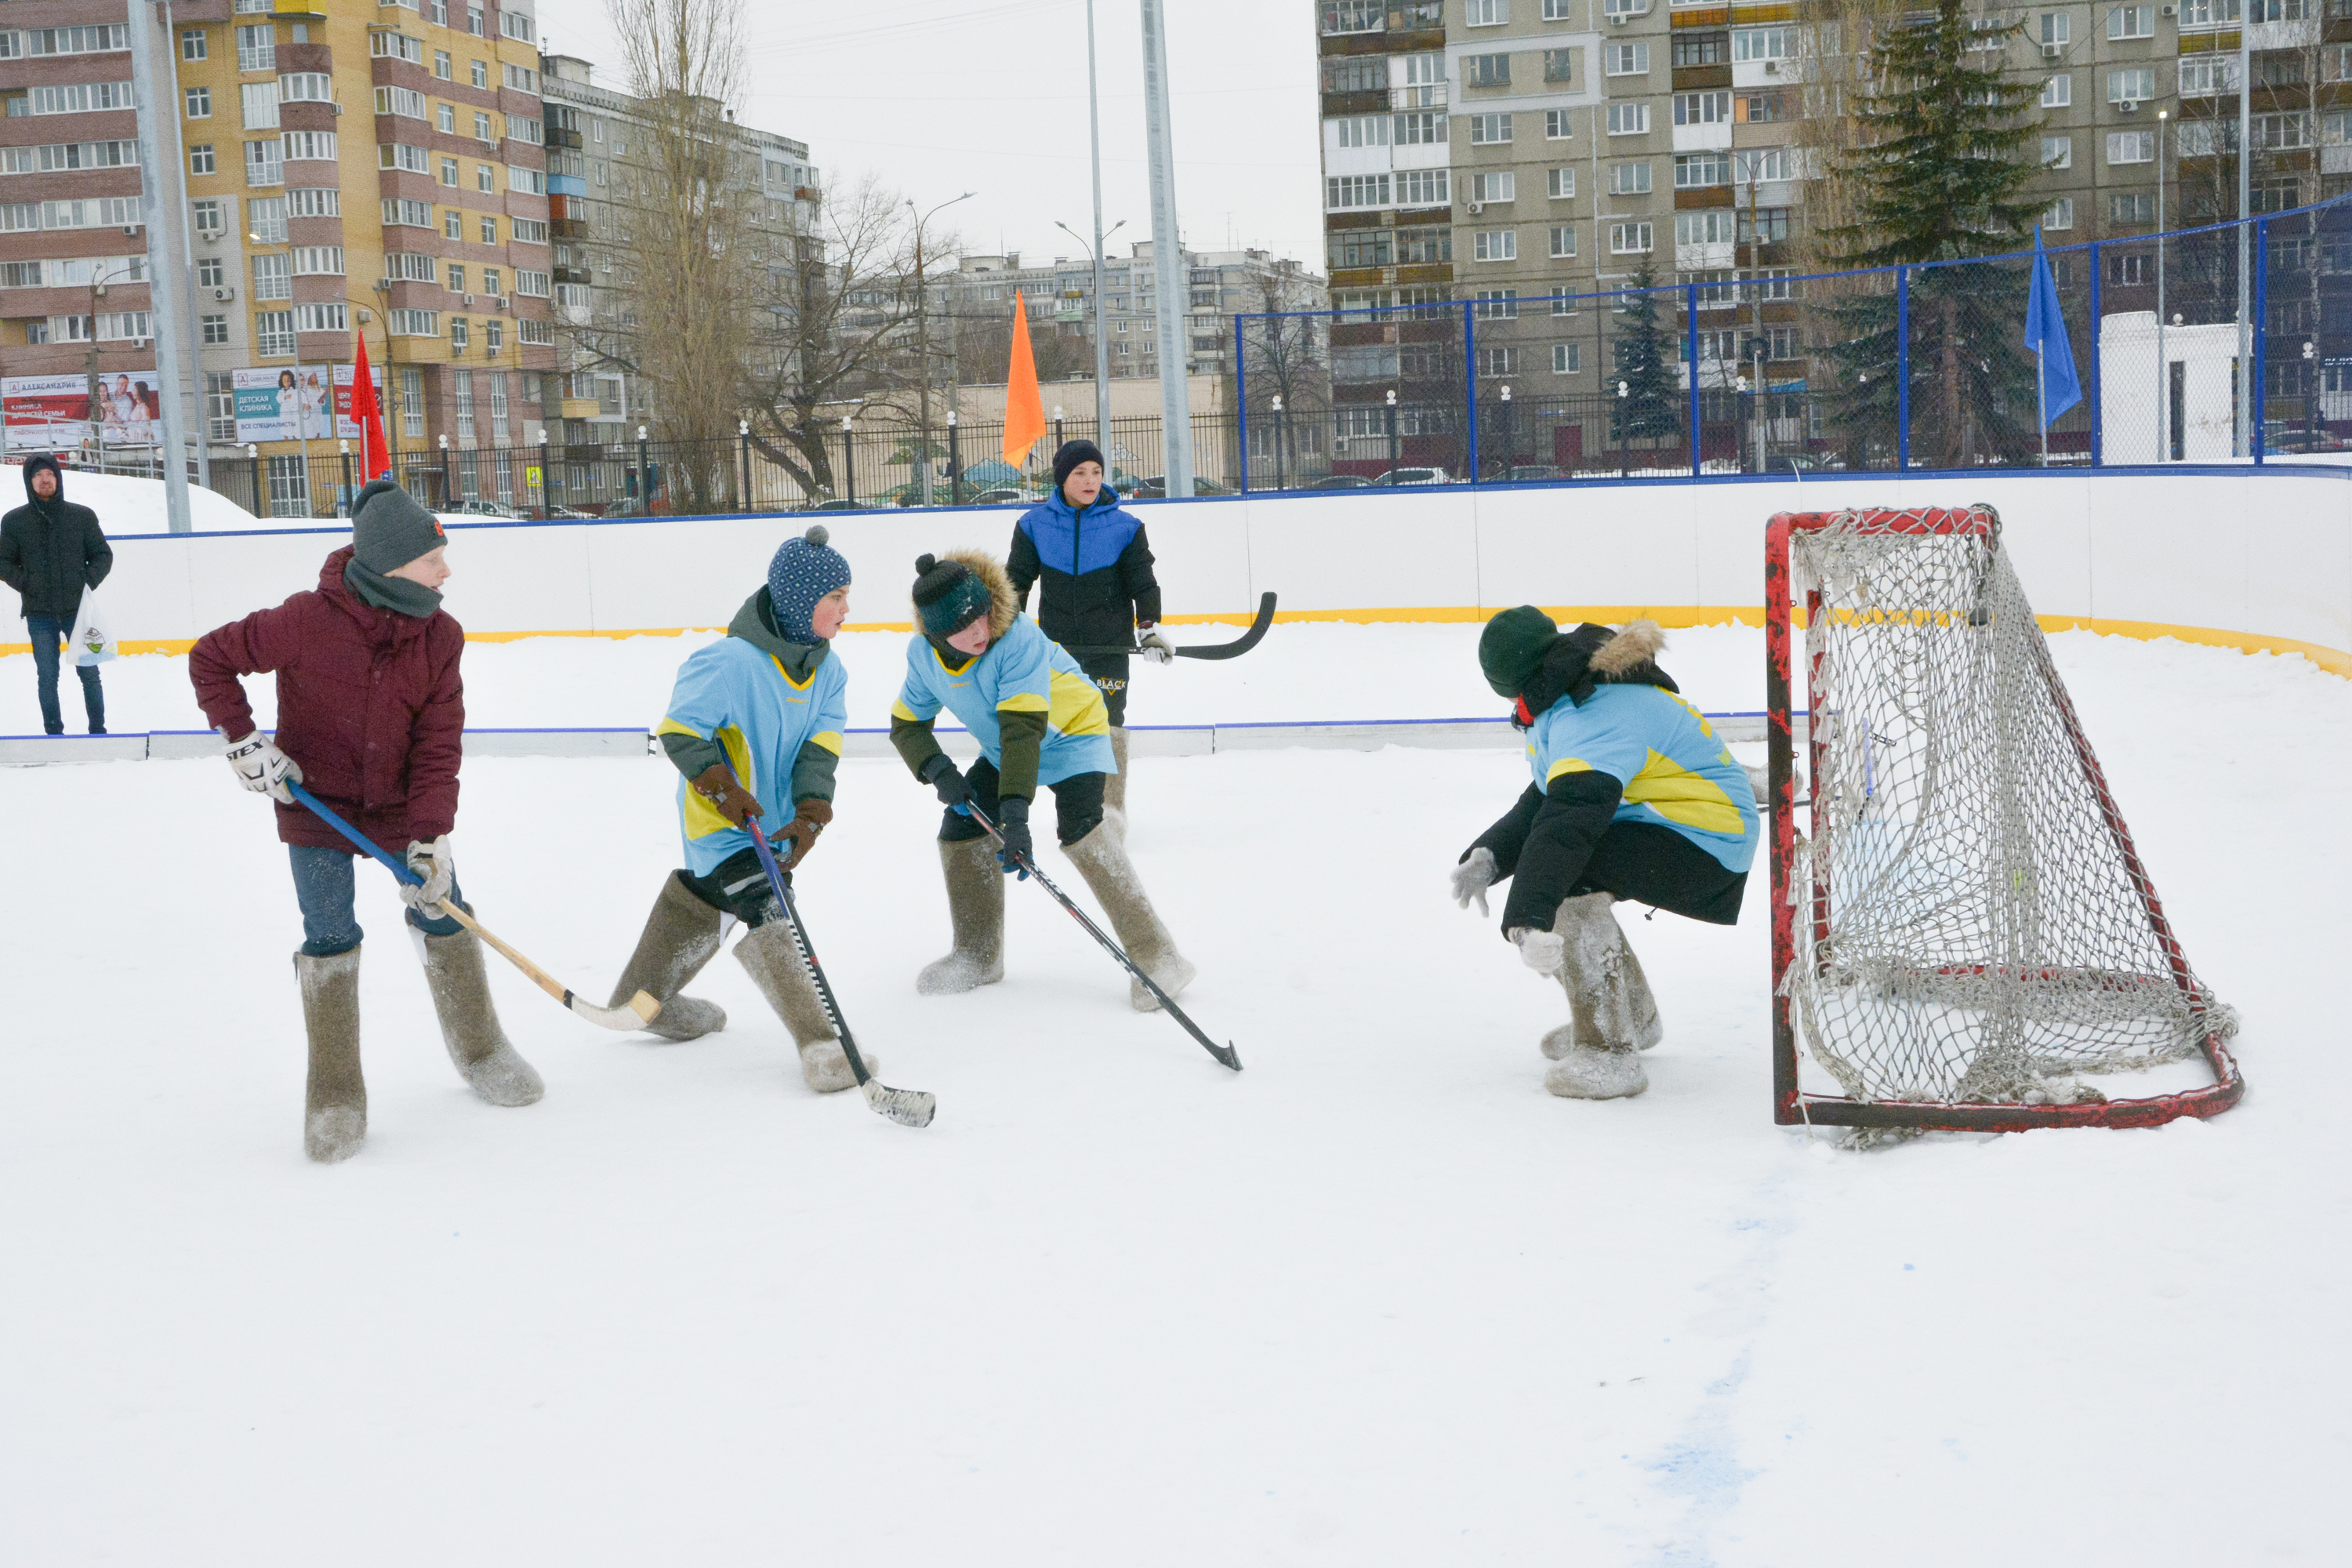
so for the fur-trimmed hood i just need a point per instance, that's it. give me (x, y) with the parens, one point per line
(1595, 655)
(1004, 603)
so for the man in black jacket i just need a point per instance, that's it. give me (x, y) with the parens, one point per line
(51, 550)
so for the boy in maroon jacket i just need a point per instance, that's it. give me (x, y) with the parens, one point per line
(370, 714)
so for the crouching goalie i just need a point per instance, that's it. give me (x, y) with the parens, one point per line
(1634, 798)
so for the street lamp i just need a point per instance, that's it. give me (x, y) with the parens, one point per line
(1395, 452)
(2163, 371)
(301, 426)
(1102, 308)
(1503, 418)
(96, 380)
(923, 343)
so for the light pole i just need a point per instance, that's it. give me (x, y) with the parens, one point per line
(2163, 370)
(923, 344)
(2245, 244)
(1102, 311)
(96, 380)
(301, 426)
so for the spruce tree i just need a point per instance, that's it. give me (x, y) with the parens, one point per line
(1938, 172)
(1645, 356)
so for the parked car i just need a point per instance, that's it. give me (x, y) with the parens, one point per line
(1154, 487)
(1337, 483)
(1415, 477)
(487, 508)
(836, 504)
(1525, 473)
(1005, 495)
(569, 512)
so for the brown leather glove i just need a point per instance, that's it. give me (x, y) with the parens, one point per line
(807, 822)
(716, 785)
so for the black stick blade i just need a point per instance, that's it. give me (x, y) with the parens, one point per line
(906, 1107)
(1240, 645)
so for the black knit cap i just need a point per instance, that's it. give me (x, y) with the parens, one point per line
(1070, 454)
(948, 595)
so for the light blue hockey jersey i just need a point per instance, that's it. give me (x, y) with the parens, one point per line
(1024, 671)
(743, 697)
(1674, 771)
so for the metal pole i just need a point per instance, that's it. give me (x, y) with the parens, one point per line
(1167, 259)
(1690, 325)
(2098, 421)
(743, 436)
(955, 465)
(155, 84)
(1469, 393)
(2163, 370)
(1281, 439)
(546, 474)
(348, 492)
(1903, 369)
(848, 462)
(449, 474)
(2245, 210)
(1102, 314)
(1241, 398)
(2262, 305)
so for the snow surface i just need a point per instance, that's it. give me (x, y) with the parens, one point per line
(127, 504)
(1378, 1299)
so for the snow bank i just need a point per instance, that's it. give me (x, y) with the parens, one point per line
(127, 504)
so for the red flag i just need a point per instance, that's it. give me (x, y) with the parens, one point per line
(367, 414)
(1025, 410)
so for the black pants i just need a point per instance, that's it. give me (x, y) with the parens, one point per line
(1077, 807)
(1646, 863)
(737, 886)
(1109, 672)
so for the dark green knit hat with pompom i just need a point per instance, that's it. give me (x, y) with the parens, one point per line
(1512, 646)
(948, 595)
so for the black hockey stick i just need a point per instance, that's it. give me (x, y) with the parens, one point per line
(1233, 649)
(1224, 1053)
(906, 1107)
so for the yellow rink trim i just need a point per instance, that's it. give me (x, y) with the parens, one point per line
(2336, 661)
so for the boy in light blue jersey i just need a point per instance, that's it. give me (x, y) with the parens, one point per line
(757, 715)
(1634, 797)
(1040, 720)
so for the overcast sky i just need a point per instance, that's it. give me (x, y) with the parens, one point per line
(940, 97)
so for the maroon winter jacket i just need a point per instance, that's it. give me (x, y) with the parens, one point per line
(369, 703)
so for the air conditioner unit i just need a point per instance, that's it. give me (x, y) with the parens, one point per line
(224, 295)
(383, 285)
(2053, 52)
(1771, 67)
(2170, 10)
(1476, 207)
(1620, 18)
(2127, 105)
(334, 109)
(469, 300)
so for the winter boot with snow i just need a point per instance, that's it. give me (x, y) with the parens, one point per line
(976, 908)
(1115, 784)
(1101, 858)
(334, 1102)
(772, 959)
(1612, 1014)
(681, 935)
(470, 1022)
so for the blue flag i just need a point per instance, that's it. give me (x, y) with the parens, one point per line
(2045, 334)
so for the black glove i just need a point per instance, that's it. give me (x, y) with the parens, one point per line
(1013, 827)
(941, 774)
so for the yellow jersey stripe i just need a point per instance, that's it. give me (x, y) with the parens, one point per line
(829, 738)
(672, 727)
(1568, 765)
(1023, 703)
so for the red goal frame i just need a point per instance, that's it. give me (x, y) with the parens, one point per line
(1790, 1106)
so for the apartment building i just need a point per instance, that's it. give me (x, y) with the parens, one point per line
(598, 161)
(346, 167)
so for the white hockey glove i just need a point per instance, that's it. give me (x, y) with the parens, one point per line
(262, 768)
(1472, 876)
(1151, 644)
(433, 860)
(1541, 951)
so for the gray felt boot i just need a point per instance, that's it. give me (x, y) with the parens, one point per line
(1102, 861)
(772, 959)
(1612, 1014)
(976, 908)
(470, 1022)
(681, 935)
(334, 1101)
(1115, 784)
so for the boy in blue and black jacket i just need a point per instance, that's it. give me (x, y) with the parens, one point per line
(1096, 595)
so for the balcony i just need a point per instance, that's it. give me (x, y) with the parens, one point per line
(563, 138)
(568, 228)
(566, 185)
(573, 274)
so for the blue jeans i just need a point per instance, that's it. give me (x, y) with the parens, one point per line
(48, 632)
(323, 886)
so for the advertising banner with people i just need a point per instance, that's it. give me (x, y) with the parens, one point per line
(286, 403)
(51, 413)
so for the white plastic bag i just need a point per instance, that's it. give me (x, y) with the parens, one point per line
(93, 632)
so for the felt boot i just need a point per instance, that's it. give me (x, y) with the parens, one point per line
(1101, 859)
(1115, 784)
(1612, 1016)
(469, 1021)
(772, 959)
(334, 1100)
(976, 910)
(681, 935)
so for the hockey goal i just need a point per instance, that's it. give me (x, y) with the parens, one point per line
(1964, 934)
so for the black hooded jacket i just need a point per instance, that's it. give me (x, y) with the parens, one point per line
(51, 550)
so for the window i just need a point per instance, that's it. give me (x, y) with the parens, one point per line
(211, 272)
(200, 158)
(2060, 214)
(1422, 128)
(440, 67)
(2334, 63)
(212, 330)
(474, 20)
(1502, 359)
(1494, 188)
(444, 117)
(1357, 191)
(400, 155)
(1629, 120)
(318, 146)
(262, 164)
(1495, 245)
(318, 260)
(1560, 66)
(482, 127)
(396, 47)
(205, 217)
(1361, 131)
(1629, 179)
(408, 267)
(522, 79)
(1708, 226)
(1559, 184)
(2281, 131)
(1563, 239)
(405, 324)
(2130, 269)
(1765, 225)
(484, 179)
(412, 394)
(400, 211)
(273, 332)
(265, 217)
(1694, 170)
(461, 337)
(456, 279)
(1695, 48)
(491, 279)
(1485, 13)
(96, 40)
(2058, 93)
(1764, 107)
(1561, 10)
(258, 101)
(1556, 126)
(1486, 70)
(1424, 244)
(402, 100)
(1763, 43)
(2134, 208)
(453, 225)
(2131, 146)
(270, 278)
(1486, 128)
(1348, 73)
(1567, 359)
(527, 231)
(2057, 152)
(257, 48)
(333, 318)
(1625, 59)
(194, 44)
(489, 231)
(2057, 27)
(450, 171)
(1422, 188)
(1629, 238)
(514, 25)
(2131, 22)
(1702, 109)
(220, 397)
(533, 285)
(531, 130)
(2135, 86)
(1495, 304)
(200, 102)
(77, 97)
(306, 87)
(481, 73)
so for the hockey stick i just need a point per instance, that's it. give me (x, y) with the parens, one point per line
(1233, 649)
(635, 1014)
(906, 1107)
(1224, 1053)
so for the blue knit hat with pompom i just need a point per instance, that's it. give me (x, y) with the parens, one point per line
(804, 571)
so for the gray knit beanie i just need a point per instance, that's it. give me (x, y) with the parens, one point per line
(389, 529)
(804, 571)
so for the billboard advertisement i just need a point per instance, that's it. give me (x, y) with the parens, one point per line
(286, 403)
(51, 413)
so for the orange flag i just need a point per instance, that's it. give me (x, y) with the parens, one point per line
(375, 455)
(1025, 410)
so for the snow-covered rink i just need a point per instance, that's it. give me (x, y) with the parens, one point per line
(1378, 1299)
